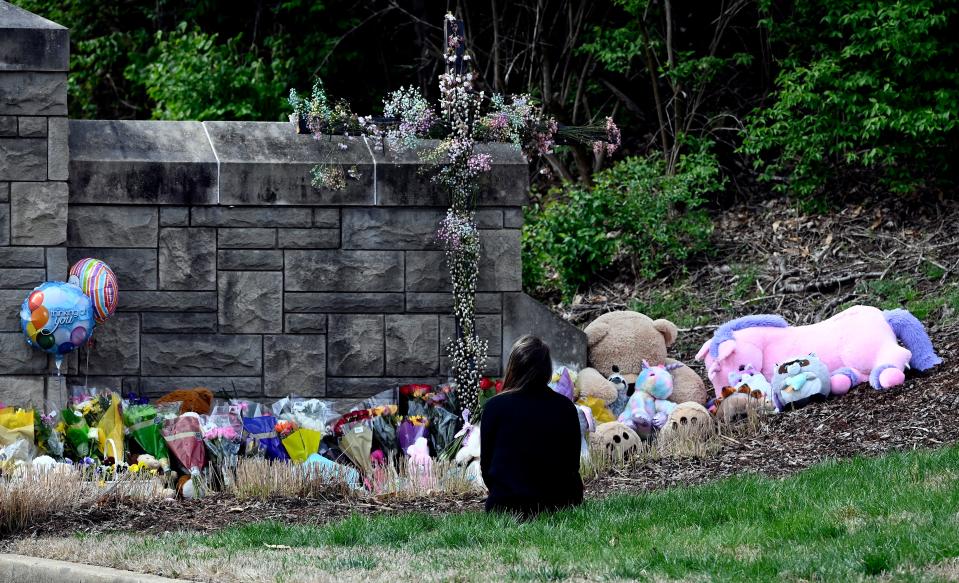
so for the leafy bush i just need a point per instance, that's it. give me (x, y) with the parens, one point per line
(190, 75)
(634, 216)
(863, 85)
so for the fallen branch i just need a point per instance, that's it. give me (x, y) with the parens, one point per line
(829, 284)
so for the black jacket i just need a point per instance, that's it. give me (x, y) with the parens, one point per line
(529, 452)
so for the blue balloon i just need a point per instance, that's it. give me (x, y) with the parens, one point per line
(57, 317)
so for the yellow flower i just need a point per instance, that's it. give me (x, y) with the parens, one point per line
(135, 468)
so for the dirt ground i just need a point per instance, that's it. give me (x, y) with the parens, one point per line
(769, 259)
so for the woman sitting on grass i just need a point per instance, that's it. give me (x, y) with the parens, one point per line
(530, 438)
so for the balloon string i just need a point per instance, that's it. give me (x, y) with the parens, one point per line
(86, 369)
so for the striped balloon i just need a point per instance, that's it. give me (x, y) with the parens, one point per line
(98, 282)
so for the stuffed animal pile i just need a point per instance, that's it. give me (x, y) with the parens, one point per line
(755, 363)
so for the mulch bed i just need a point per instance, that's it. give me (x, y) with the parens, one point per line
(918, 414)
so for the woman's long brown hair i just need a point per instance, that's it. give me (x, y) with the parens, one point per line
(530, 365)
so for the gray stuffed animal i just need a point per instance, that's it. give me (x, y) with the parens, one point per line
(800, 381)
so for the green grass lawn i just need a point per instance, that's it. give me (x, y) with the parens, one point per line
(893, 517)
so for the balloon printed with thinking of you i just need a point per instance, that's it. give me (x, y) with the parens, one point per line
(57, 318)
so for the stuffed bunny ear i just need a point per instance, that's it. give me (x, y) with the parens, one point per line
(701, 355)
(667, 329)
(645, 364)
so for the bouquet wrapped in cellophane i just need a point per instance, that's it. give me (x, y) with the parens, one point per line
(143, 424)
(184, 438)
(222, 434)
(261, 438)
(308, 418)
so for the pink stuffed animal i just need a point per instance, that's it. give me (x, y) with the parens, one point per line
(858, 344)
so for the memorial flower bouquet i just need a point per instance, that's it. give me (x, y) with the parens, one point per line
(262, 439)
(143, 425)
(223, 439)
(184, 438)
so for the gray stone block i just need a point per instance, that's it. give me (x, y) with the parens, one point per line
(401, 181)
(58, 264)
(22, 391)
(31, 43)
(174, 216)
(524, 315)
(141, 162)
(201, 355)
(360, 387)
(344, 271)
(8, 126)
(10, 302)
(33, 93)
(187, 258)
(344, 302)
(250, 259)
(58, 149)
(30, 127)
(167, 301)
(294, 364)
(501, 261)
(4, 225)
(246, 238)
(328, 218)
(513, 218)
(222, 387)
(4, 192)
(178, 323)
(442, 303)
(251, 301)
(426, 271)
(116, 347)
(412, 345)
(21, 257)
(21, 278)
(309, 238)
(23, 158)
(269, 163)
(136, 269)
(489, 327)
(391, 228)
(112, 226)
(38, 213)
(218, 216)
(489, 219)
(18, 358)
(355, 345)
(305, 324)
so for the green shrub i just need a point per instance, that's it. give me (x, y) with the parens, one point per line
(862, 85)
(633, 217)
(190, 75)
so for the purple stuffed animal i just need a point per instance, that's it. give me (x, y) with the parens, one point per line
(857, 345)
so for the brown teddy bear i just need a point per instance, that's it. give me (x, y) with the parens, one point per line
(625, 339)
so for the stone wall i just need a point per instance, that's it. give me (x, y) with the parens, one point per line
(234, 271)
(33, 189)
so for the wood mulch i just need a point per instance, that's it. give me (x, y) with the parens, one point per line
(920, 414)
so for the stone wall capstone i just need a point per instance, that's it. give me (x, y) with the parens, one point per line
(235, 273)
